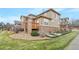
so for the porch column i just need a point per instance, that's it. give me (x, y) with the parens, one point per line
(25, 28)
(24, 23)
(29, 26)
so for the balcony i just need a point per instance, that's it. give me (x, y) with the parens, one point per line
(35, 25)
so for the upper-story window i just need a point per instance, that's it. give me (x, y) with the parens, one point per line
(46, 21)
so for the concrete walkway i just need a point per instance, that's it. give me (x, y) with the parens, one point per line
(74, 45)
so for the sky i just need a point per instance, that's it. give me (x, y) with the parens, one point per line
(12, 14)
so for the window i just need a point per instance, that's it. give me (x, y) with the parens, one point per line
(46, 21)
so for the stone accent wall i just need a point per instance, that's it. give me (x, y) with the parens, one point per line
(26, 24)
(29, 26)
(46, 29)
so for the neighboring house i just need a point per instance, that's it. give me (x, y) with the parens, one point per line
(64, 24)
(75, 27)
(16, 27)
(46, 22)
(75, 24)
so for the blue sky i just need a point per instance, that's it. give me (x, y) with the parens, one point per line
(12, 14)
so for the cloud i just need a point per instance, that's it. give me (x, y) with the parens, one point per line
(74, 10)
(25, 12)
(71, 13)
(36, 10)
(65, 12)
(59, 9)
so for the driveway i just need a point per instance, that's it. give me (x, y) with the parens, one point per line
(74, 45)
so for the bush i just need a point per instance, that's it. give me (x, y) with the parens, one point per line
(34, 33)
(66, 32)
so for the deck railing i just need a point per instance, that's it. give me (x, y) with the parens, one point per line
(35, 25)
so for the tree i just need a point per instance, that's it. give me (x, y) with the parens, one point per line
(75, 23)
(8, 26)
(17, 22)
(2, 26)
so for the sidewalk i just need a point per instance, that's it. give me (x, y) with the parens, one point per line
(74, 45)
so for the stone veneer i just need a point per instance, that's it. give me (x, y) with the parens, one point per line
(46, 29)
(29, 26)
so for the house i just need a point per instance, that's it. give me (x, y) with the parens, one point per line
(64, 24)
(75, 24)
(16, 27)
(46, 22)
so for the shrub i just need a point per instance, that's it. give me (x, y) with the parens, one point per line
(66, 32)
(34, 33)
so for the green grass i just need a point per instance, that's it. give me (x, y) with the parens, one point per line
(7, 43)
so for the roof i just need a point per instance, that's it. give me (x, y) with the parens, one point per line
(39, 16)
(65, 18)
(42, 17)
(24, 17)
(32, 15)
(48, 11)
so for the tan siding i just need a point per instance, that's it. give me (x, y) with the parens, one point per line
(50, 14)
(55, 22)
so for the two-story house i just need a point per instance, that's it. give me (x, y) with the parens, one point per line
(46, 22)
(64, 24)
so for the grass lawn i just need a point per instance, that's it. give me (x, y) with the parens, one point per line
(7, 43)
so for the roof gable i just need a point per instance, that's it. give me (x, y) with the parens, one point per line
(48, 11)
